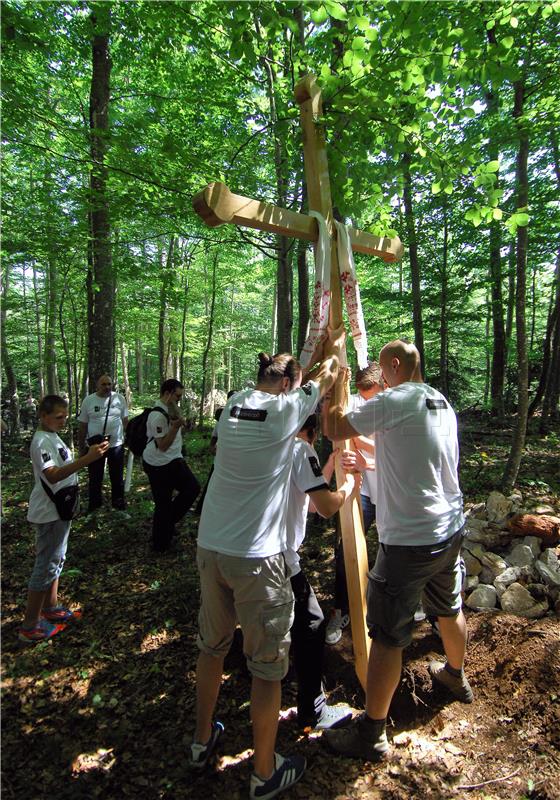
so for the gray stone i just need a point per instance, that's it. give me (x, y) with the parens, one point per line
(544, 508)
(550, 576)
(487, 537)
(495, 563)
(518, 600)
(484, 596)
(516, 500)
(472, 564)
(475, 524)
(478, 511)
(504, 579)
(497, 507)
(486, 576)
(520, 556)
(539, 590)
(471, 582)
(534, 543)
(474, 548)
(550, 558)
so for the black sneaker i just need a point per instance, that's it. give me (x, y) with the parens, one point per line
(354, 741)
(202, 753)
(459, 687)
(288, 771)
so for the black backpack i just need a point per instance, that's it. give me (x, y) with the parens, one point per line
(136, 437)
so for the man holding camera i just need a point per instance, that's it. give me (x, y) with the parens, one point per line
(104, 417)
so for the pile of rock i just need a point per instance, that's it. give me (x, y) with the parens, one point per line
(511, 557)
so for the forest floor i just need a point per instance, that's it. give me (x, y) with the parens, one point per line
(106, 709)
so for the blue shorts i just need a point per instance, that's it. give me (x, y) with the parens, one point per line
(402, 576)
(51, 541)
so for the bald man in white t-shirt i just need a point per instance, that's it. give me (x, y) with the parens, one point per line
(420, 524)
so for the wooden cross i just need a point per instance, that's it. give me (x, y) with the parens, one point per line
(216, 205)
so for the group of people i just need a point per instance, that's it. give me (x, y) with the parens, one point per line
(266, 477)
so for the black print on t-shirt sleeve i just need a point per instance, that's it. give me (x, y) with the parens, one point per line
(253, 414)
(315, 466)
(63, 453)
(307, 389)
(434, 405)
(46, 457)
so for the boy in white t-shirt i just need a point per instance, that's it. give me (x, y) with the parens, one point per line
(368, 383)
(174, 487)
(52, 464)
(309, 491)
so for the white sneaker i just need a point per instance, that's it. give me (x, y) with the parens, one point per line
(337, 622)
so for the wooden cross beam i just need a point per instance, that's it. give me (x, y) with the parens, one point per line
(216, 205)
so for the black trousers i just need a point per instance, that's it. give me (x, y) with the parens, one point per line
(115, 458)
(175, 476)
(308, 644)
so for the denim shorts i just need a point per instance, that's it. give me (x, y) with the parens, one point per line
(51, 541)
(402, 576)
(257, 593)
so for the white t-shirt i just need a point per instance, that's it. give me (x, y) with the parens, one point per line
(47, 450)
(244, 513)
(306, 477)
(93, 411)
(157, 427)
(419, 500)
(369, 476)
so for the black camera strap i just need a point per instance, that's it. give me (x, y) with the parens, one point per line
(107, 414)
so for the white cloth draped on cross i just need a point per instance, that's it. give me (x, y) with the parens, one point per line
(322, 293)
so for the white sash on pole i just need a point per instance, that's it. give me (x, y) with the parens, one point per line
(129, 468)
(322, 293)
(351, 293)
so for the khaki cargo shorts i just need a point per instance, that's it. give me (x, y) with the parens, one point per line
(257, 593)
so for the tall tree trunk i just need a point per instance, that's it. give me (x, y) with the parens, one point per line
(124, 367)
(166, 281)
(274, 322)
(208, 347)
(182, 364)
(284, 275)
(510, 299)
(498, 339)
(414, 262)
(549, 384)
(69, 383)
(40, 371)
(52, 324)
(443, 326)
(139, 362)
(303, 296)
(6, 361)
(518, 443)
(487, 339)
(551, 392)
(229, 372)
(495, 270)
(101, 282)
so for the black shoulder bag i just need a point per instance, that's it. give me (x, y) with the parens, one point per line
(66, 500)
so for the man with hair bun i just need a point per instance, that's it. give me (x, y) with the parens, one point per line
(244, 576)
(421, 526)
